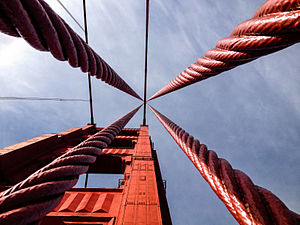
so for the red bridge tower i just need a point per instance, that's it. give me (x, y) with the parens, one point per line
(139, 199)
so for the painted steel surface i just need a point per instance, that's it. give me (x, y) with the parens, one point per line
(141, 201)
(44, 30)
(139, 198)
(247, 202)
(274, 26)
(33, 198)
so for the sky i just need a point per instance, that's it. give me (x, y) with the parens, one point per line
(249, 115)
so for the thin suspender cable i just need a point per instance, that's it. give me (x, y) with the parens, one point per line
(89, 80)
(70, 14)
(146, 60)
(89, 75)
(86, 179)
(10, 98)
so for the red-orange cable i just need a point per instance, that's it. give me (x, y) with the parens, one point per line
(31, 199)
(248, 203)
(44, 30)
(275, 25)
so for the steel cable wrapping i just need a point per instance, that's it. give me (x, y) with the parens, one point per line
(31, 199)
(44, 30)
(247, 202)
(275, 25)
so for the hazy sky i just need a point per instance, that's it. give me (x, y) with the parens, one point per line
(249, 115)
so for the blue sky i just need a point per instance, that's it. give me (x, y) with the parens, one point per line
(249, 115)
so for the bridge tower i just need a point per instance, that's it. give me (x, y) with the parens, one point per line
(139, 198)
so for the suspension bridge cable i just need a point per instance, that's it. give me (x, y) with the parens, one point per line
(70, 14)
(146, 60)
(247, 202)
(89, 80)
(274, 26)
(89, 74)
(43, 29)
(9, 98)
(30, 200)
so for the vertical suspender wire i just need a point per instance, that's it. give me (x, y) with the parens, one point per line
(70, 14)
(146, 60)
(89, 75)
(89, 81)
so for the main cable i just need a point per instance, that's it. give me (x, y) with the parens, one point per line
(248, 203)
(44, 30)
(33, 198)
(274, 26)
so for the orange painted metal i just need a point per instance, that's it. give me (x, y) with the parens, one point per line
(86, 206)
(31, 199)
(140, 197)
(20, 160)
(140, 204)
